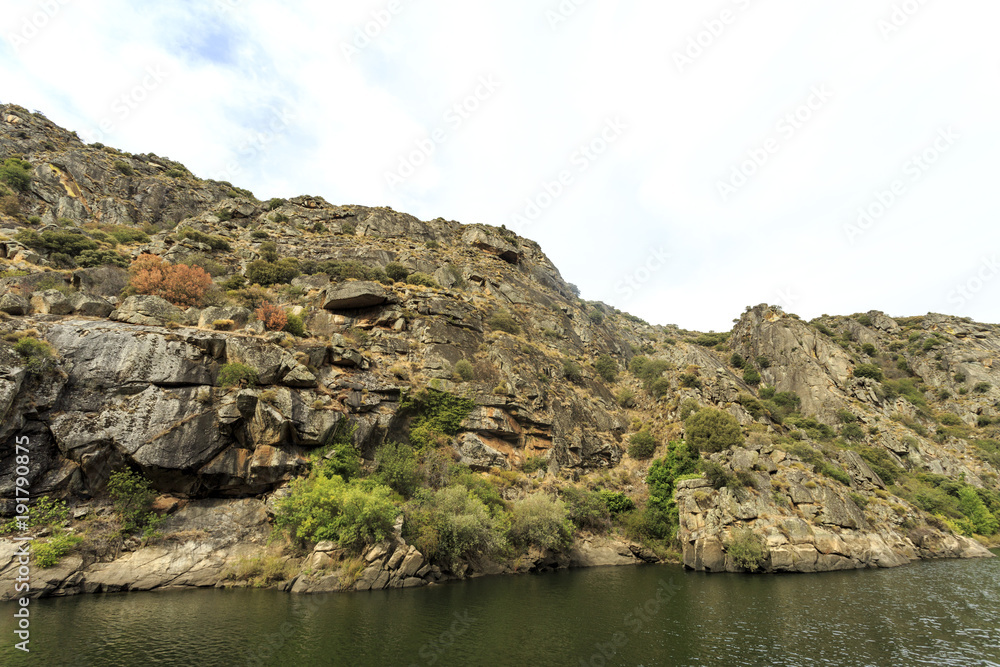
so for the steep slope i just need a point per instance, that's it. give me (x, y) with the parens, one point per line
(391, 318)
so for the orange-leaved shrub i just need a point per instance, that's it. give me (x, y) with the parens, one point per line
(274, 318)
(179, 284)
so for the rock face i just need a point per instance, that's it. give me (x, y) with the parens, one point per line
(220, 413)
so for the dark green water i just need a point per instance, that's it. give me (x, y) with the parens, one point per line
(932, 613)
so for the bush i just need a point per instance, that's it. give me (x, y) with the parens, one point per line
(464, 369)
(259, 235)
(717, 475)
(418, 278)
(502, 320)
(66, 242)
(16, 173)
(533, 464)
(50, 552)
(396, 467)
(123, 168)
(763, 362)
(571, 370)
(711, 430)
(607, 368)
(660, 519)
(869, 371)
(132, 496)
(737, 360)
(587, 509)
(751, 377)
(437, 415)
(980, 520)
(273, 317)
(982, 387)
(295, 325)
(396, 271)
(452, 524)
(747, 549)
(264, 273)
(89, 258)
(711, 339)
(212, 241)
(625, 398)
(39, 354)
(641, 445)
(616, 501)
(235, 374)
(541, 521)
(852, 432)
(353, 514)
(181, 285)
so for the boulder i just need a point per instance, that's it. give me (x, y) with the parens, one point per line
(352, 295)
(490, 241)
(476, 454)
(148, 310)
(90, 306)
(239, 316)
(50, 302)
(12, 304)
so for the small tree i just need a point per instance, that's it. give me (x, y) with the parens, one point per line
(132, 496)
(711, 430)
(642, 444)
(179, 284)
(868, 371)
(607, 368)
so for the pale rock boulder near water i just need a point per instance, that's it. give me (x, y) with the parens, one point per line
(563, 433)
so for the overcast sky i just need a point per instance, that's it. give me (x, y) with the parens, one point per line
(676, 160)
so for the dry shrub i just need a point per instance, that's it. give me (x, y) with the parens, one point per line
(179, 284)
(274, 318)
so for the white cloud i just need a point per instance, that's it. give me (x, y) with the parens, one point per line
(266, 87)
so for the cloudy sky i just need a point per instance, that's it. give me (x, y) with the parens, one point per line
(677, 160)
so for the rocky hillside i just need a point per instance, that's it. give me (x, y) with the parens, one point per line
(291, 328)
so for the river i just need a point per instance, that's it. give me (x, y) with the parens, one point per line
(927, 613)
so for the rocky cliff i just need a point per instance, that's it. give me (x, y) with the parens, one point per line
(390, 305)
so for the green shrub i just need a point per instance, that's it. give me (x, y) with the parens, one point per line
(751, 377)
(687, 408)
(587, 509)
(419, 278)
(396, 467)
(737, 360)
(596, 316)
(660, 518)
(711, 339)
(40, 356)
(533, 464)
(751, 405)
(50, 552)
(616, 501)
(711, 430)
(763, 362)
(852, 432)
(717, 475)
(465, 370)
(747, 549)
(660, 387)
(641, 445)
(212, 241)
(982, 387)
(347, 229)
(16, 173)
(275, 203)
(869, 349)
(132, 497)
(295, 325)
(259, 235)
(541, 521)
(980, 520)
(337, 455)
(502, 320)
(436, 414)
(689, 380)
(89, 258)
(236, 374)
(869, 371)
(452, 524)
(265, 274)
(67, 242)
(625, 398)
(571, 370)
(123, 168)
(607, 368)
(353, 514)
(396, 271)
(175, 173)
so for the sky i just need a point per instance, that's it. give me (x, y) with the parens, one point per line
(679, 161)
